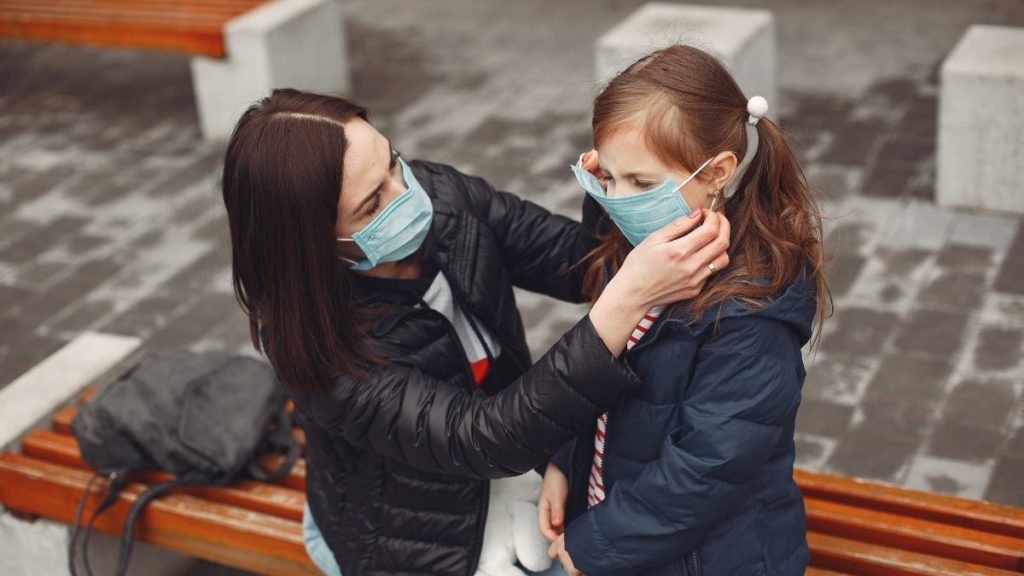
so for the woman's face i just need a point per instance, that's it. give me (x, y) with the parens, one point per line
(627, 166)
(371, 179)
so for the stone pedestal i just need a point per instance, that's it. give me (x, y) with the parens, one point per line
(981, 121)
(743, 39)
(282, 44)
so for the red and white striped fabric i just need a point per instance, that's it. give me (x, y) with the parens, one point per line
(595, 486)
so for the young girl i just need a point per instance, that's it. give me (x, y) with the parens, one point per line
(692, 473)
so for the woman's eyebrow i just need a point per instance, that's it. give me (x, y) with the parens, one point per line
(375, 191)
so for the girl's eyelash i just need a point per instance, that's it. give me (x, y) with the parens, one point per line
(643, 185)
(376, 204)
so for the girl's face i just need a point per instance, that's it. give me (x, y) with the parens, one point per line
(627, 166)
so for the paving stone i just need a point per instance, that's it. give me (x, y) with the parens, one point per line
(963, 479)
(888, 180)
(813, 451)
(859, 331)
(854, 144)
(1005, 486)
(1000, 309)
(984, 403)
(919, 379)
(933, 332)
(840, 378)
(869, 453)
(958, 290)
(965, 257)
(842, 272)
(964, 442)
(999, 349)
(11, 296)
(823, 418)
(25, 352)
(897, 416)
(985, 230)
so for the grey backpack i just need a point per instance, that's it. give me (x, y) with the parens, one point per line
(205, 418)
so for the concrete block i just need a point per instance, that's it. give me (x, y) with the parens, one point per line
(44, 388)
(981, 121)
(743, 39)
(282, 44)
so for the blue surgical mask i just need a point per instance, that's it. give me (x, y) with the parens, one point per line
(638, 215)
(399, 229)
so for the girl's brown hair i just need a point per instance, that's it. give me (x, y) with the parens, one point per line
(282, 180)
(689, 109)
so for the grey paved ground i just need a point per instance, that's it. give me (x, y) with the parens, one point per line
(110, 217)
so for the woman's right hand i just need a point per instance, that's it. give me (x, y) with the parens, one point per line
(670, 265)
(673, 263)
(554, 492)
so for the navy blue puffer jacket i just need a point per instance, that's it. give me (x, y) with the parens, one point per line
(699, 459)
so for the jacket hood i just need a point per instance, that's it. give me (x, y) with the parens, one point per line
(795, 305)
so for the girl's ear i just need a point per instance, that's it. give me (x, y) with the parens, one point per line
(721, 169)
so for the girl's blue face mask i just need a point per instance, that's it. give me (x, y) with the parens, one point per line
(638, 215)
(399, 229)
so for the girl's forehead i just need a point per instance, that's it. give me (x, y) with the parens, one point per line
(627, 150)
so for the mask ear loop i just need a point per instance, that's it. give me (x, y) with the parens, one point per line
(348, 261)
(757, 107)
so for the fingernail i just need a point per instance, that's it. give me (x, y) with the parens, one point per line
(695, 214)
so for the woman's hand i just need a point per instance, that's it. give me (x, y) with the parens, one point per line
(673, 263)
(558, 552)
(668, 266)
(554, 492)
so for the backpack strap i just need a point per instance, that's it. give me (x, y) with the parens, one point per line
(279, 440)
(115, 482)
(128, 534)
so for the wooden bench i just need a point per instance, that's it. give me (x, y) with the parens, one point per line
(854, 527)
(190, 26)
(230, 41)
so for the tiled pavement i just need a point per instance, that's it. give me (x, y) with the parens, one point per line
(110, 217)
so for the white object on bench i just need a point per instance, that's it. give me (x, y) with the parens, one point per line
(743, 39)
(282, 44)
(981, 121)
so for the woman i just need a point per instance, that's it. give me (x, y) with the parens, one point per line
(692, 472)
(381, 292)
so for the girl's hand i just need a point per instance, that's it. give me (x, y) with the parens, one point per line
(671, 264)
(558, 552)
(554, 492)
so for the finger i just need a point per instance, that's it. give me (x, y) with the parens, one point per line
(589, 161)
(553, 550)
(545, 521)
(557, 512)
(692, 242)
(720, 263)
(674, 229)
(715, 246)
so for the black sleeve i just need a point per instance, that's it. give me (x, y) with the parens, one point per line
(401, 413)
(543, 252)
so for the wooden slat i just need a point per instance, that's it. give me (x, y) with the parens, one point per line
(984, 516)
(258, 496)
(151, 37)
(217, 532)
(915, 535)
(854, 557)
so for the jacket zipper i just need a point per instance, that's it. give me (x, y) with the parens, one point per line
(693, 564)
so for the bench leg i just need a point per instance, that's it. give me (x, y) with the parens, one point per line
(282, 44)
(41, 547)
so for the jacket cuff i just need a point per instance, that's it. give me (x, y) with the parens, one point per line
(590, 551)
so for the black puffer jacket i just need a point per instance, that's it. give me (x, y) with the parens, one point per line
(398, 462)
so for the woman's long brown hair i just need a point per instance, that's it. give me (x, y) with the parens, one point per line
(282, 180)
(689, 108)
